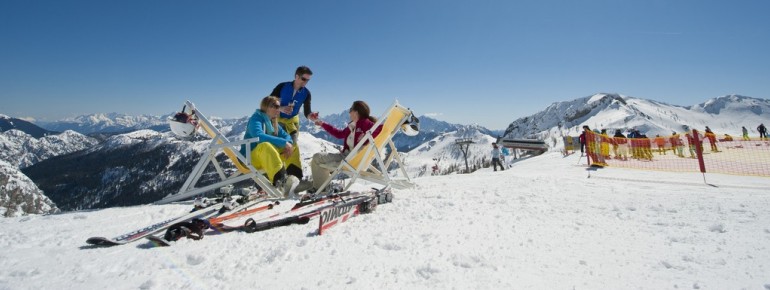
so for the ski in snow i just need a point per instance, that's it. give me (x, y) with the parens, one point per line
(205, 213)
(340, 213)
(301, 215)
(148, 230)
(216, 222)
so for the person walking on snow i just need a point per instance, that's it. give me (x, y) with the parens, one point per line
(661, 143)
(690, 143)
(582, 139)
(745, 133)
(496, 153)
(712, 139)
(292, 95)
(762, 131)
(676, 144)
(621, 145)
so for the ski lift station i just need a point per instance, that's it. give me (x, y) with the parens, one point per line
(536, 146)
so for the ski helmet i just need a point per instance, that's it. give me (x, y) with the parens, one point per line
(182, 125)
(412, 126)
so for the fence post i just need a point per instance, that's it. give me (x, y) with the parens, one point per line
(699, 150)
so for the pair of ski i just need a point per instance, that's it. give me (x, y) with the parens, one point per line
(318, 209)
(332, 210)
(340, 209)
(210, 212)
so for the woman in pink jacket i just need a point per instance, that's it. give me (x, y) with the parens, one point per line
(360, 122)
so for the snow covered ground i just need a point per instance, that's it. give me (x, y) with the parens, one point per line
(543, 224)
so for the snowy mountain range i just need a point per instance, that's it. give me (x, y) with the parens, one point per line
(724, 115)
(133, 168)
(18, 194)
(107, 123)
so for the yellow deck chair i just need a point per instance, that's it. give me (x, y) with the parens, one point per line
(368, 161)
(220, 143)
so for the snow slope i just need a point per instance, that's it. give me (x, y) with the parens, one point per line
(542, 224)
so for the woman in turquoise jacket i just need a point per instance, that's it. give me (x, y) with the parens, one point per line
(274, 147)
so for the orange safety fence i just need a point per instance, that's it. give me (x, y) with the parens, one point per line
(682, 152)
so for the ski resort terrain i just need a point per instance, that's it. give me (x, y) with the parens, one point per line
(545, 223)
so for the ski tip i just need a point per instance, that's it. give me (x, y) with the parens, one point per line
(102, 241)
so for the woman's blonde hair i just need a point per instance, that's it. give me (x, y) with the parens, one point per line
(265, 105)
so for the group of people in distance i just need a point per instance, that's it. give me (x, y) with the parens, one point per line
(276, 124)
(638, 146)
(761, 129)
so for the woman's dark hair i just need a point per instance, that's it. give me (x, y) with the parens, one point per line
(363, 111)
(303, 70)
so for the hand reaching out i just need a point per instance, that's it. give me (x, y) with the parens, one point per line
(313, 117)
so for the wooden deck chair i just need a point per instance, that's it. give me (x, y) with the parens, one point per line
(220, 143)
(368, 160)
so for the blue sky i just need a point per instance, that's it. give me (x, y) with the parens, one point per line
(485, 62)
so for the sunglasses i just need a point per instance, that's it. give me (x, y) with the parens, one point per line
(275, 106)
(304, 79)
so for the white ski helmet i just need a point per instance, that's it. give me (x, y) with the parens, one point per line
(412, 126)
(182, 125)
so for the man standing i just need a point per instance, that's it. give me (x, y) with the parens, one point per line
(762, 131)
(496, 157)
(294, 94)
(582, 139)
(745, 133)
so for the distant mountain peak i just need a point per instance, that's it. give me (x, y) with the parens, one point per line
(10, 123)
(606, 97)
(732, 103)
